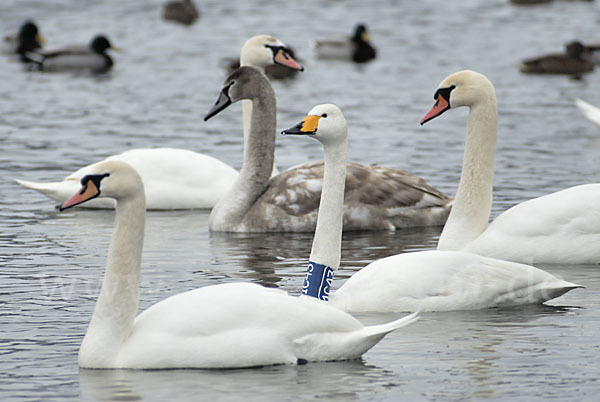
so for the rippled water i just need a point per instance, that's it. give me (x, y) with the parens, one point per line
(161, 86)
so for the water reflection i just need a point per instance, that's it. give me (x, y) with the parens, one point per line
(272, 259)
(334, 380)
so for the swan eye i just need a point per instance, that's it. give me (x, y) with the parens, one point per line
(324, 115)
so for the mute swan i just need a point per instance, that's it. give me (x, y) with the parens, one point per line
(590, 111)
(561, 228)
(356, 47)
(91, 57)
(273, 72)
(220, 326)
(26, 40)
(419, 281)
(573, 61)
(377, 198)
(182, 11)
(176, 178)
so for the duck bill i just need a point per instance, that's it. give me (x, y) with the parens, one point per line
(222, 102)
(87, 192)
(308, 126)
(116, 49)
(440, 106)
(283, 58)
(40, 39)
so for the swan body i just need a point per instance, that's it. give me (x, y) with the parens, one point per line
(590, 111)
(92, 57)
(355, 48)
(182, 11)
(377, 198)
(176, 178)
(173, 179)
(562, 227)
(420, 281)
(436, 280)
(221, 326)
(554, 228)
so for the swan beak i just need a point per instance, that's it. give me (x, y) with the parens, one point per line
(221, 103)
(308, 126)
(87, 192)
(440, 106)
(283, 58)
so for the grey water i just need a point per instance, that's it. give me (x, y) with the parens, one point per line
(167, 78)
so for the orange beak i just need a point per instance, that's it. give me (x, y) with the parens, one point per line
(440, 106)
(87, 192)
(284, 59)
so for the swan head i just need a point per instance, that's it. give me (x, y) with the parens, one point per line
(264, 50)
(113, 179)
(463, 88)
(244, 83)
(325, 123)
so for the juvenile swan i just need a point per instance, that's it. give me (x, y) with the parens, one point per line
(221, 326)
(376, 198)
(561, 228)
(176, 178)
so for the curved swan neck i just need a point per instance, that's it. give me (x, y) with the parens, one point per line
(247, 103)
(473, 202)
(256, 170)
(327, 242)
(259, 152)
(117, 302)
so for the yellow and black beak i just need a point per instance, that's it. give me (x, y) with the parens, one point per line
(308, 126)
(90, 189)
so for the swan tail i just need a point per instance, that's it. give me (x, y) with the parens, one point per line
(346, 346)
(558, 289)
(590, 111)
(384, 329)
(57, 191)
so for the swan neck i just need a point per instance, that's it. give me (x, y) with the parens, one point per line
(473, 202)
(260, 147)
(259, 151)
(327, 242)
(117, 304)
(247, 103)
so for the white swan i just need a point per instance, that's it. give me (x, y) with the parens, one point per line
(562, 227)
(377, 198)
(590, 111)
(176, 178)
(221, 326)
(419, 281)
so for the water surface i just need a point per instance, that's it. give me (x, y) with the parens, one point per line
(161, 86)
